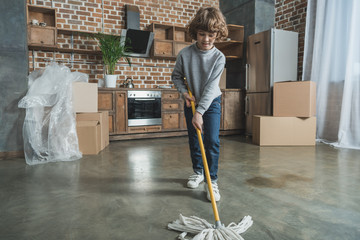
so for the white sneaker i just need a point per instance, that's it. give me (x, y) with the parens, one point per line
(195, 180)
(215, 190)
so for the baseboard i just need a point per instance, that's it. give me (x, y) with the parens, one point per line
(7, 155)
(232, 132)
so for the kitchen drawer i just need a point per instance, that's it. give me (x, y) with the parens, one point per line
(144, 129)
(171, 120)
(44, 36)
(171, 106)
(170, 95)
(163, 48)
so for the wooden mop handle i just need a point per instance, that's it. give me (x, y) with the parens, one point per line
(206, 167)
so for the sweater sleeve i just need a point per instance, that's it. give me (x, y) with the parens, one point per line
(211, 87)
(178, 75)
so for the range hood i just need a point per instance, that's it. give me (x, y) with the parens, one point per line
(139, 41)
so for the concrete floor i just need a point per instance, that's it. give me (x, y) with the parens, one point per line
(132, 189)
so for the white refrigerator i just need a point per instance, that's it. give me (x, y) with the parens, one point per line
(272, 56)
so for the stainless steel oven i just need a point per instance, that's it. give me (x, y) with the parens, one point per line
(144, 108)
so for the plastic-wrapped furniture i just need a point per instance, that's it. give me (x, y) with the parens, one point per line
(49, 129)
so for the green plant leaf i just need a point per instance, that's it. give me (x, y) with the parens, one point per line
(113, 49)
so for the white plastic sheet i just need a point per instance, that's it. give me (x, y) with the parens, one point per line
(49, 129)
(332, 60)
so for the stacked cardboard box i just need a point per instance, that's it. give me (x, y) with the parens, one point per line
(294, 116)
(92, 126)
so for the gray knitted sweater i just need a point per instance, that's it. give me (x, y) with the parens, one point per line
(202, 70)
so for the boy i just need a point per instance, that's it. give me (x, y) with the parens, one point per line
(202, 64)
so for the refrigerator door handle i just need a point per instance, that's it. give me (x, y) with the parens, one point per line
(247, 105)
(247, 76)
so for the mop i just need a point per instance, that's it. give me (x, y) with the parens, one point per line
(200, 227)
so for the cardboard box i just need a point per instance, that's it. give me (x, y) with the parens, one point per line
(294, 99)
(103, 118)
(283, 131)
(89, 137)
(85, 97)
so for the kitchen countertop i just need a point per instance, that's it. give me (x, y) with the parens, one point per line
(158, 89)
(136, 89)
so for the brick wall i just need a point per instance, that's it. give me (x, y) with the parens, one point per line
(109, 16)
(291, 15)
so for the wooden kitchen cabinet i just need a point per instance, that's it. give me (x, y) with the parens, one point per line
(120, 116)
(233, 111)
(233, 47)
(39, 35)
(115, 102)
(105, 103)
(172, 111)
(168, 40)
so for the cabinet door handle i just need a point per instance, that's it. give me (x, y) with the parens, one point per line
(247, 66)
(144, 99)
(247, 105)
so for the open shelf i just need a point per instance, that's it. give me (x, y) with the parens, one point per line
(61, 49)
(41, 25)
(236, 32)
(168, 40)
(41, 14)
(232, 48)
(52, 48)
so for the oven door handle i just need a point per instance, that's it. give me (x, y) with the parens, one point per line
(145, 99)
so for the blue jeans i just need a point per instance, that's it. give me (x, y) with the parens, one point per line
(210, 137)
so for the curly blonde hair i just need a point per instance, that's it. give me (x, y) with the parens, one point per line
(208, 19)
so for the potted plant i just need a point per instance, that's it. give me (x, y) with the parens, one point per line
(112, 51)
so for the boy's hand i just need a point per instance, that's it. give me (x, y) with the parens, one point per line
(188, 99)
(197, 121)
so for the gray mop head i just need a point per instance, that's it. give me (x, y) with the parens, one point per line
(207, 231)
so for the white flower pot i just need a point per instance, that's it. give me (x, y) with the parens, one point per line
(110, 81)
